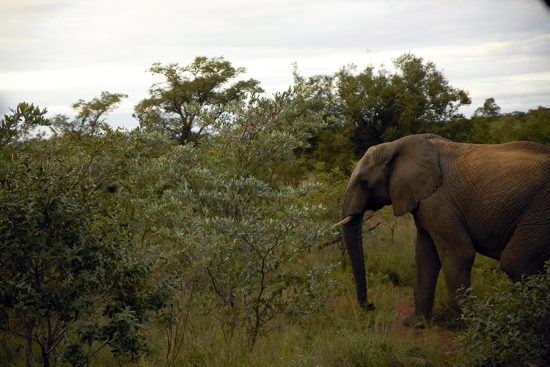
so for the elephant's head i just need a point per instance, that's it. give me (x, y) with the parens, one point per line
(401, 173)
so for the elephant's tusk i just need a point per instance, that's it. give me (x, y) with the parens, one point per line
(344, 221)
(368, 215)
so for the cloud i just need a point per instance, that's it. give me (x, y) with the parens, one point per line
(55, 52)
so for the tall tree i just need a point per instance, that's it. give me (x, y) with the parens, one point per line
(361, 109)
(384, 106)
(193, 98)
(90, 115)
(489, 109)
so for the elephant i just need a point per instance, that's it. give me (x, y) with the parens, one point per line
(492, 199)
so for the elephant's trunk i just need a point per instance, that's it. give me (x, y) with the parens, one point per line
(354, 244)
(355, 205)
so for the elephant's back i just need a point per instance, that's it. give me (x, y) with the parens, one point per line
(491, 185)
(527, 147)
(538, 155)
(528, 157)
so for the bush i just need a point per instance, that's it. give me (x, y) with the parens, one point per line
(244, 233)
(510, 327)
(72, 279)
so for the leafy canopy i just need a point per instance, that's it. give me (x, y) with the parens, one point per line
(20, 122)
(192, 99)
(90, 115)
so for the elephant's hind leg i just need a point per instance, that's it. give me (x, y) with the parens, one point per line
(529, 246)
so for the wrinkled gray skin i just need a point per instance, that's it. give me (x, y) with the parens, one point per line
(465, 198)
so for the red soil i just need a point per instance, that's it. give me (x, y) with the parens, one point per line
(443, 338)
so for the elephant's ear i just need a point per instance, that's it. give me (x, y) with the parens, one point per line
(414, 173)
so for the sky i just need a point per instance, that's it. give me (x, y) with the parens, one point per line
(54, 52)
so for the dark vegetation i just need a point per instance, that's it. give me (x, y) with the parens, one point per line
(205, 236)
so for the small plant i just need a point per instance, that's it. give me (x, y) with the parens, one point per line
(510, 327)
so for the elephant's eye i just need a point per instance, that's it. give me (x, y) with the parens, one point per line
(364, 184)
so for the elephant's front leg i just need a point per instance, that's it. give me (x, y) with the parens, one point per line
(427, 272)
(457, 255)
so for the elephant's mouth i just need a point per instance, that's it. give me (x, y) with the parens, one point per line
(375, 203)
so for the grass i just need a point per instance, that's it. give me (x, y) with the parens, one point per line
(341, 334)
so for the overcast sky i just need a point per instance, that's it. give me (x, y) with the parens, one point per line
(53, 52)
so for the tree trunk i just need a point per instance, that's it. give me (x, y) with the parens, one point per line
(45, 358)
(30, 354)
(29, 326)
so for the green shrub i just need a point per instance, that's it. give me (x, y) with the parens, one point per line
(72, 279)
(511, 327)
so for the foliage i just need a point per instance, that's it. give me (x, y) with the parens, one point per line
(193, 98)
(236, 227)
(385, 106)
(489, 126)
(90, 115)
(20, 122)
(489, 109)
(511, 327)
(71, 278)
(221, 250)
(373, 106)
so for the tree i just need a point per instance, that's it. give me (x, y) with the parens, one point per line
(20, 122)
(259, 229)
(193, 98)
(224, 214)
(90, 116)
(358, 110)
(489, 109)
(329, 147)
(537, 126)
(487, 125)
(384, 106)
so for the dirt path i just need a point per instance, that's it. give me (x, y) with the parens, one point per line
(444, 338)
